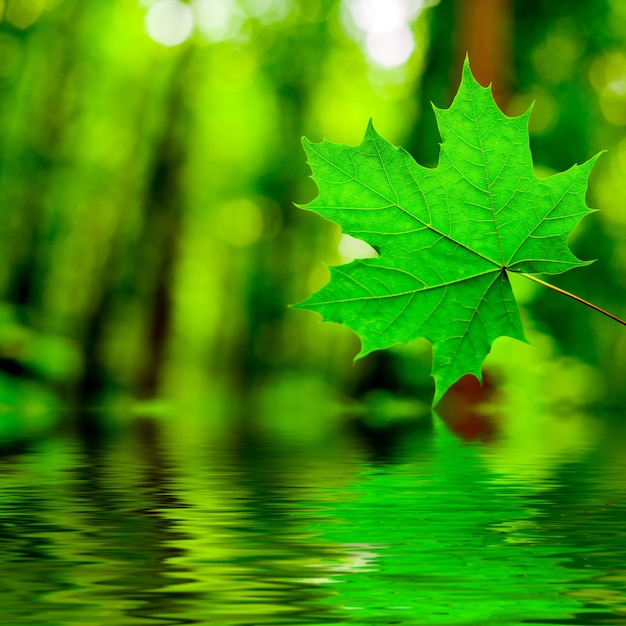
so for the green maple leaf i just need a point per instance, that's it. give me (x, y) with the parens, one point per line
(447, 237)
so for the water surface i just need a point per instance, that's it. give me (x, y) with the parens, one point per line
(150, 526)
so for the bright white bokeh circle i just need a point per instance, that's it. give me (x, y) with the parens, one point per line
(392, 48)
(383, 28)
(379, 16)
(218, 20)
(169, 22)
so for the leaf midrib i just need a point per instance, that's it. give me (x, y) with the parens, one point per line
(484, 163)
(397, 205)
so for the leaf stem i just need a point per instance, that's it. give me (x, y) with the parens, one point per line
(577, 298)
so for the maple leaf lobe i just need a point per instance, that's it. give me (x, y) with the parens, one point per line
(446, 236)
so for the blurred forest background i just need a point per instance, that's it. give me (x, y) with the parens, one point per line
(151, 157)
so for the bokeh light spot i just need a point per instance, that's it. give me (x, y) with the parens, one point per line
(218, 21)
(383, 28)
(608, 77)
(380, 16)
(240, 223)
(24, 13)
(266, 11)
(545, 113)
(169, 22)
(390, 49)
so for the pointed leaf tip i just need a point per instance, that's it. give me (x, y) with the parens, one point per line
(370, 128)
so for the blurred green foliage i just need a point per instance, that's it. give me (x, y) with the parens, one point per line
(151, 155)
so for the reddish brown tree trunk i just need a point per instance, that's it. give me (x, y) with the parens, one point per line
(485, 33)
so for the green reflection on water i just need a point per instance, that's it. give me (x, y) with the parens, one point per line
(147, 528)
(453, 543)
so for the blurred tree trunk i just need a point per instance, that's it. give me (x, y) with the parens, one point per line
(164, 207)
(38, 143)
(141, 270)
(483, 30)
(293, 61)
(485, 33)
